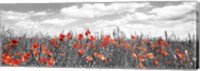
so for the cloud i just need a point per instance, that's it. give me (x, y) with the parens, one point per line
(58, 21)
(174, 12)
(20, 16)
(100, 9)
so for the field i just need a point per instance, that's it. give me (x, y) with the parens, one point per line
(87, 50)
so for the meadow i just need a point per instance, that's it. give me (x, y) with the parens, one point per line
(70, 49)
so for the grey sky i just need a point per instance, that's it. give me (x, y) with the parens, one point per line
(139, 17)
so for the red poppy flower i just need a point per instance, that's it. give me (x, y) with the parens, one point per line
(35, 45)
(69, 36)
(178, 50)
(146, 41)
(103, 58)
(87, 33)
(35, 51)
(163, 52)
(19, 54)
(141, 65)
(43, 60)
(102, 45)
(156, 62)
(26, 57)
(141, 58)
(81, 52)
(56, 45)
(80, 37)
(92, 46)
(14, 42)
(134, 37)
(7, 58)
(62, 37)
(134, 55)
(149, 55)
(53, 41)
(89, 58)
(113, 41)
(50, 62)
(92, 38)
(16, 62)
(77, 45)
(126, 45)
(181, 55)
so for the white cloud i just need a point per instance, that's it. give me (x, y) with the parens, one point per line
(58, 21)
(100, 9)
(20, 16)
(174, 11)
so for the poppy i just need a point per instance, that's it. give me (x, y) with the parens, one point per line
(102, 45)
(126, 45)
(113, 41)
(14, 42)
(77, 45)
(134, 37)
(87, 33)
(53, 41)
(49, 53)
(69, 36)
(56, 45)
(89, 58)
(157, 63)
(95, 54)
(149, 55)
(43, 60)
(19, 54)
(92, 46)
(103, 58)
(178, 50)
(141, 58)
(141, 65)
(35, 45)
(26, 57)
(16, 62)
(61, 37)
(146, 41)
(50, 62)
(35, 51)
(80, 37)
(134, 55)
(92, 38)
(81, 52)
(163, 52)
(7, 58)
(181, 55)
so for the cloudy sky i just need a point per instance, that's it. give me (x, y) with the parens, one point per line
(135, 17)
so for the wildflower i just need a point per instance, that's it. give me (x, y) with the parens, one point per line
(87, 33)
(56, 45)
(35, 45)
(69, 36)
(92, 46)
(53, 41)
(62, 37)
(134, 55)
(16, 62)
(157, 63)
(35, 51)
(77, 45)
(50, 62)
(181, 55)
(89, 58)
(14, 42)
(134, 37)
(43, 60)
(141, 58)
(141, 65)
(149, 55)
(80, 37)
(92, 38)
(81, 52)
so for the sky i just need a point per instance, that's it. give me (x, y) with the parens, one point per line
(152, 18)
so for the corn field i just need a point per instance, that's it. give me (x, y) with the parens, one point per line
(86, 50)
